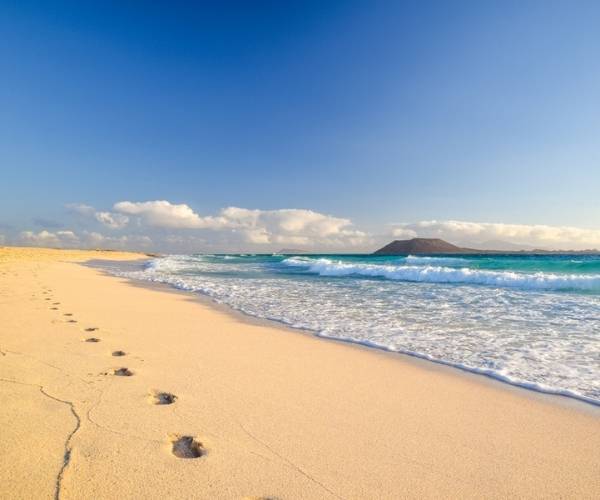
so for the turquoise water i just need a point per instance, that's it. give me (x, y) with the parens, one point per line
(530, 320)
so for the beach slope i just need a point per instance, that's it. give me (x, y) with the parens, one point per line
(250, 409)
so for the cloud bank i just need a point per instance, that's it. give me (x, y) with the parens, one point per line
(559, 237)
(160, 225)
(85, 239)
(177, 227)
(63, 239)
(259, 227)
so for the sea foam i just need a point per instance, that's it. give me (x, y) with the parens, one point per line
(443, 274)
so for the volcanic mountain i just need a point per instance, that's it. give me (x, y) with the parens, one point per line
(424, 246)
(421, 246)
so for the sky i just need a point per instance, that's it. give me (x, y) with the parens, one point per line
(328, 126)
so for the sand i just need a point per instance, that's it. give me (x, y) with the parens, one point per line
(253, 410)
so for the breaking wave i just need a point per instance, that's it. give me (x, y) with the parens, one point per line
(444, 274)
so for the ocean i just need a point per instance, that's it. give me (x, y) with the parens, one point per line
(529, 320)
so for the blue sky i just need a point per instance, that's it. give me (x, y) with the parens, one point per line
(374, 113)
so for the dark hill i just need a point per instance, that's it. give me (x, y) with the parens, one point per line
(421, 246)
(426, 246)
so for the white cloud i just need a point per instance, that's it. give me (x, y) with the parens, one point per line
(111, 220)
(47, 238)
(161, 213)
(108, 219)
(2, 239)
(559, 237)
(259, 227)
(291, 227)
(177, 227)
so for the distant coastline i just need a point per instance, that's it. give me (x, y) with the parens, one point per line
(435, 246)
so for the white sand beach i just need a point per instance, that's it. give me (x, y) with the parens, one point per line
(256, 410)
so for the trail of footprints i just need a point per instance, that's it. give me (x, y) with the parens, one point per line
(182, 446)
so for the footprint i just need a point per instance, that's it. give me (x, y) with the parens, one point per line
(92, 339)
(72, 321)
(91, 329)
(54, 308)
(186, 446)
(161, 398)
(119, 353)
(55, 303)
(122, 372)
(68, 314)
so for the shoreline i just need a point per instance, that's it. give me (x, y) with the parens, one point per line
(422, 361)
(255, 413)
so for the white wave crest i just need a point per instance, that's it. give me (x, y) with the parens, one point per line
(441, 274)
(447, 261)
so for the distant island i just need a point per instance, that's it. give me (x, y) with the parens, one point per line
(425, 246)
